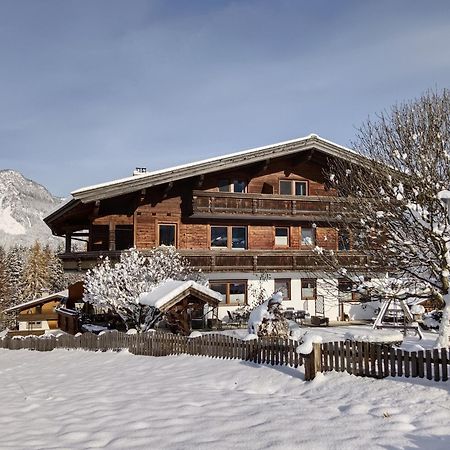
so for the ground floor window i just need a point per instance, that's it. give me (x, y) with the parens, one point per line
(168, 234)
(34, 325)
(309, 288)
(345, 291)
(233, 292)
(283, 285)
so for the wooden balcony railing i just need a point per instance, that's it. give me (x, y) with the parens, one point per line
(232, 261)
(207, 204)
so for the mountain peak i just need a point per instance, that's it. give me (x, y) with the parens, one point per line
(23, 204)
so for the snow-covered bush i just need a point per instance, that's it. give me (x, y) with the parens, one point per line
(267, 319)
(117, 288)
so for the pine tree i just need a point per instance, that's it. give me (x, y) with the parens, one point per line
(35, 277)
(57, 281)
(14, 266)
(4, 282)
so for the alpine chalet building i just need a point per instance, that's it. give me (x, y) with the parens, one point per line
(248, 220)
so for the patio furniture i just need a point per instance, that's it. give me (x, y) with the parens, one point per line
(318, 321)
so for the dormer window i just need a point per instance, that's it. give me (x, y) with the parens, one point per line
(232, 185)
(293, 187)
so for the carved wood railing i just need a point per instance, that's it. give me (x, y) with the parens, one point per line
(206, 203)
(222, 260)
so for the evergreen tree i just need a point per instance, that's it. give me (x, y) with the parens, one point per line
(4, 282)
(57, 281)
(35, 277)
(14, 265)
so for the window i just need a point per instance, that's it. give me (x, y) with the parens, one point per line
(308, 236)
(219, 237)
(292, 187)
(309, 289)
(345, 291)
(234, 238)
(239, 186)
(224, 186)
(281, 236)
(343, 240)
(239, 238)
(34, 325)
(167, 234)
(39, 309)
(232, 185)
(233, 292)
(283, 285)
(124, 237)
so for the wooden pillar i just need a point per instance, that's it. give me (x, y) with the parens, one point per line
(112, 236)
(68, 242)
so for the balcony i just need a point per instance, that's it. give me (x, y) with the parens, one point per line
(231, 261)
(229, 205)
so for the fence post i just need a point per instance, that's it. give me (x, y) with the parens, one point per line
(313, 362)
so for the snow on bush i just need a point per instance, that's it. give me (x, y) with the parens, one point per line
(267, 319)
(117, 288)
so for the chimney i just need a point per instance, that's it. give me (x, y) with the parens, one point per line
(139, 171)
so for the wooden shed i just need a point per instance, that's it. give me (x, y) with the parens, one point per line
(185, 304)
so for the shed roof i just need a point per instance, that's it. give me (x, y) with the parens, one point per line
(37, 301)
(171, 292)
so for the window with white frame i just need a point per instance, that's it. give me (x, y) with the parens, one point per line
(167, 234)
(235, 185)
(283, 285)
(293, 187)
(309, 288)
(231, 237)
(282, 236)
(233, 292)
(308, 236)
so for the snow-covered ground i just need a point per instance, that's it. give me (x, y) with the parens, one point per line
(81, 400)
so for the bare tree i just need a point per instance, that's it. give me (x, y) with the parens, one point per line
(399, 215)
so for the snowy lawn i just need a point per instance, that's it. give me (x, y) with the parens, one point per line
(82, 400)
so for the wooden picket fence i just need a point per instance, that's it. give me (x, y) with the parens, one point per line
(379, 361)
(356, 358)
(261, 351)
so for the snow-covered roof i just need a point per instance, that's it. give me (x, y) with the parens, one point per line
(37, 301)
(148, 179)
(171, 291)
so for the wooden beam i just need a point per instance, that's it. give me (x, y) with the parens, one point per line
(199, 182)
(167, 189)
(68, 243)
(112, 236)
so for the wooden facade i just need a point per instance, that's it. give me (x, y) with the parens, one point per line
(259, 211)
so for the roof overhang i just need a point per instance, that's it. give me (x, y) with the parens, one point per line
(138, 182)
(38, 301)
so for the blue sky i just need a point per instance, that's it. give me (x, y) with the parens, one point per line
(90, 89)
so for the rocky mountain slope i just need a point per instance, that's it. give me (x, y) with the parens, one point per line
(23, 204)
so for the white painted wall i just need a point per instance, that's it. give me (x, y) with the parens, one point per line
(326, 286)
(23, 326)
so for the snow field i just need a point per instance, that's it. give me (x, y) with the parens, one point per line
(82, 400)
